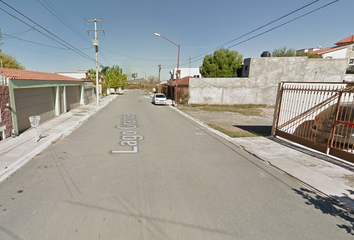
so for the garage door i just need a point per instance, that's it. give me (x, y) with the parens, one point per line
(72, 97)
(33, 101)
(89, 95)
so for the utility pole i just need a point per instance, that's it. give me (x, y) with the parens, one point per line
(95, 43)
(159, 72)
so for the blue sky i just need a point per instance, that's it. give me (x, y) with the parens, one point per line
(198, 26)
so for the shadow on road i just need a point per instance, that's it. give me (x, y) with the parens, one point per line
(329, 206)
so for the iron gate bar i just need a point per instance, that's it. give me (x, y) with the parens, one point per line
(331, 133)
(336, 138)
(310, 111)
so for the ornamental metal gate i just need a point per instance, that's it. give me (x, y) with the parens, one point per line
(317, 115)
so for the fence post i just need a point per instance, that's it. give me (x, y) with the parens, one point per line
(334, 119)
(277, 108)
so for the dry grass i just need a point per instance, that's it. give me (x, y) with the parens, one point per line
(224, 118)
(244, 109)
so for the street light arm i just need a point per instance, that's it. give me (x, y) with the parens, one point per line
(177, 73)
(159, 35)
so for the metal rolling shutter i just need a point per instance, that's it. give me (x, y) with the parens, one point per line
(72, 97)
(33, 101)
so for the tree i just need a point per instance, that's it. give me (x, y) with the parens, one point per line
(153, 80)
(104, 70)
(222, 63)
(283, 52)
(9, 61)
(308, 55)
(91, 74)
(115, 77)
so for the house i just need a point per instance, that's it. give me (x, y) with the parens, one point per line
(137, 81)
(28, 93)
(185, 72)
(342, 49)
(182, 88)
(81, 74)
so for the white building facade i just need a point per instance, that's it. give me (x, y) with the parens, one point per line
(185, 72)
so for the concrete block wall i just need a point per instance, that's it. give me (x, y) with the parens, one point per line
(261, 77)
(6, 114)
(230, 91)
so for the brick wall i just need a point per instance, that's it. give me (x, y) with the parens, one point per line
(6, 115)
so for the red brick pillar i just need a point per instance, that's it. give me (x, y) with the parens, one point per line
(5, 108)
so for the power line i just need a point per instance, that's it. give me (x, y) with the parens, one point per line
(7, 44)
(20, 33)
(145, 59)
(41, 44)
(44, 45)
(72, 48)
(263, 26)
(294, 19)
(63, 20)
(96, 9)
(76, 9)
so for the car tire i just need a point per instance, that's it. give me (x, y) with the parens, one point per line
(304, 129)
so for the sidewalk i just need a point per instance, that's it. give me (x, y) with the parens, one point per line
(330, 176)
(16, 152)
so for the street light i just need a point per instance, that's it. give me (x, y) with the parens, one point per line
(177, 73)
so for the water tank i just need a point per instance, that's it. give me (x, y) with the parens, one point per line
(265, 54)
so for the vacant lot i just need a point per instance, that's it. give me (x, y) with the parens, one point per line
(234, 120)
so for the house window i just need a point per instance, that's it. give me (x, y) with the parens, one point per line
(351, 61)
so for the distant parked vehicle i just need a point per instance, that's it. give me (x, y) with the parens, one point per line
(344, 125)
(119, 91)
(159, 99)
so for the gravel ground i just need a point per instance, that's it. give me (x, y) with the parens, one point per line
(238, 124)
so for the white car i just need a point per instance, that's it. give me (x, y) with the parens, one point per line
(159, 98)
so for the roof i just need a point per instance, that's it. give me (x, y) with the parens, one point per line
(182, 81)
(325, 50)
(19, 74)
(347, 40)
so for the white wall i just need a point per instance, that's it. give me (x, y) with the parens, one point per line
(185, 72)
(341, 53)
(78, 75)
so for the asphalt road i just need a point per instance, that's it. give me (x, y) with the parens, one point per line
(167, 178)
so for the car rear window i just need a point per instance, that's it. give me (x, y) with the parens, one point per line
(346, 114)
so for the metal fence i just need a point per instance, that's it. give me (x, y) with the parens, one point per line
(3, 81)
(317, 115)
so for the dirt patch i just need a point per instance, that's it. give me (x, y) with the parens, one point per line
(235, 124)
